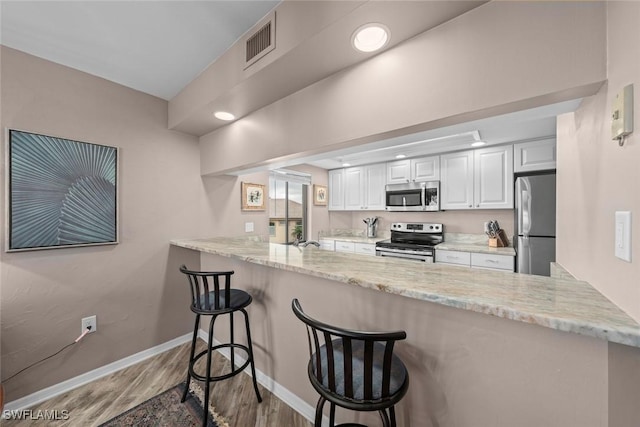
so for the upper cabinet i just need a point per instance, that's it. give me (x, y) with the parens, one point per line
(414, 170)
(534, 155)
(357, 188)
(478, 179)
(336, 190)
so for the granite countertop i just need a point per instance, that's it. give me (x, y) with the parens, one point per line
(477, 243)
(558, 303)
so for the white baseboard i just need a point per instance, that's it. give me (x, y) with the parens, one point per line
(284, 394)
(70, 384)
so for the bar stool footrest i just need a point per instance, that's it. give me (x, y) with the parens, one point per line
(235, 371)
(350, 425)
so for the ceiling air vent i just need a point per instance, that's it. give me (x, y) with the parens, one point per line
(262, 41)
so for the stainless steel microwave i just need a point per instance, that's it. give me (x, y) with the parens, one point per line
(413, 196)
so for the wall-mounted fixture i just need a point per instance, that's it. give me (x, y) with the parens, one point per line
(371, 37)
(622, 114)
(223, 115)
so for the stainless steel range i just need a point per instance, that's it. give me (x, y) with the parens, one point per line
(412, 240)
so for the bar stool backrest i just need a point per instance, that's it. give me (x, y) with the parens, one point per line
(326, 342)
(208, 294)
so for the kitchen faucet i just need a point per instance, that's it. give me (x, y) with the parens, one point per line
(305, 244)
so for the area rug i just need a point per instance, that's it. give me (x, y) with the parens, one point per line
(166, 409)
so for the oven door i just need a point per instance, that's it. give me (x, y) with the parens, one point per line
(405, 197)
(423, 256)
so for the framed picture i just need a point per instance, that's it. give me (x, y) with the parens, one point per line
(60, 192)
(320, 195)
(252, 197)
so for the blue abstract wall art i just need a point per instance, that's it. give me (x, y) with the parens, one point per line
(61, 192)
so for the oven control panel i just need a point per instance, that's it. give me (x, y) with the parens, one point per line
(416, 227)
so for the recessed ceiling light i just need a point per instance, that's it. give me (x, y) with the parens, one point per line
(400, 156)
(370, 37)
(478, 144)
(346, 165)
(223, 115)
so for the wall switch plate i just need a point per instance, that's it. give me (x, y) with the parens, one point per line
(89, 321)
(623, 235)
(248, 227)
(622, 113)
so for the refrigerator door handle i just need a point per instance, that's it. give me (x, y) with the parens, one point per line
(524, 219)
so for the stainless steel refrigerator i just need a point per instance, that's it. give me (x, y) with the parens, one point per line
(535, 223)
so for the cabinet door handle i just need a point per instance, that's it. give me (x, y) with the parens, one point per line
(492, 261)
(452, 257)
(478, 205)
(470, 206)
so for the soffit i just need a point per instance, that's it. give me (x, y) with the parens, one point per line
(309, 57)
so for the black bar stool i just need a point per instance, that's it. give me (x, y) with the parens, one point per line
(354, 369)
(220, 300)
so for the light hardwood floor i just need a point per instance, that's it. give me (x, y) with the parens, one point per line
(103, 399)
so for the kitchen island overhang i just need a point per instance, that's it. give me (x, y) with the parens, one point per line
(466, 368)
(557, 303)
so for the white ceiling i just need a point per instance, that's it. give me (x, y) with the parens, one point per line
(156, 47)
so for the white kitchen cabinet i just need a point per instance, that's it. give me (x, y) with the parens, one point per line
(413, 170)
(534, 155)
(336, 190)
(345, 246)
(456, 185)
(425, 169)
(492, 261)
(375, 178)
(453, 257)
(354, 188)
(359, 248)
(364, 187)
(399, 172)
(476, 260)
(365, 249)
(493, 178)
(327, 244)
(477, 179)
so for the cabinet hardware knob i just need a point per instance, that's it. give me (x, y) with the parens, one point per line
(470, 206)
(478, 205)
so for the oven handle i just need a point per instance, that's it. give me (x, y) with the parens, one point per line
(422, 258)
(405, 251)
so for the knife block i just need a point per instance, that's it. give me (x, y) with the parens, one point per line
(500, 241)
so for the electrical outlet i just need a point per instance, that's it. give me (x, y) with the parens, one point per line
(89, 321)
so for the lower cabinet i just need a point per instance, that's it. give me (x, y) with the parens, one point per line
(476, 260)
(328, 245)
(349, 247)
(345, 246)
(365, 249)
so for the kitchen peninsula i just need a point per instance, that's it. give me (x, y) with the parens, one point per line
(466, 368)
